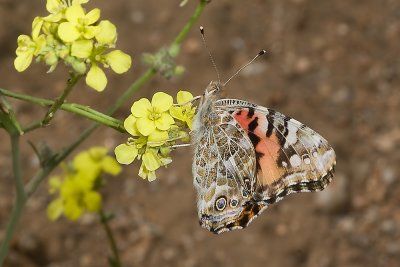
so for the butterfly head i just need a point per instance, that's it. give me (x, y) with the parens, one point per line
(214, 88)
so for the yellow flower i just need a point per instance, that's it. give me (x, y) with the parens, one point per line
(153, 116)
(156, 137)
(94, 161)
(29, 47)
(78, 24)
(117, 60)
(146, 174)
(151, 161)
(71, 35)
(77, 195)
(154, 131)
(56, 8)
(77, 191)
(184, 110)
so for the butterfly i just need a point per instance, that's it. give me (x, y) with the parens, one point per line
(247, 157)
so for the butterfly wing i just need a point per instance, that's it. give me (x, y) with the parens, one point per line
(290, 156)
(224, 161)
(247, 157)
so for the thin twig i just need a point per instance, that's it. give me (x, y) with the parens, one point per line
(104, 219)
(60, 100)
(20, 199)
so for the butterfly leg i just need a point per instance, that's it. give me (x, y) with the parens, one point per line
(180, 145)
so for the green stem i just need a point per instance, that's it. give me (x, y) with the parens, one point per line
(19, 201)
(193, 19)
(78, 109)
(104, 219)
(132, 89)
(60, 100)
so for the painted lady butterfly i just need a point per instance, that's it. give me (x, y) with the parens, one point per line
(248, 157)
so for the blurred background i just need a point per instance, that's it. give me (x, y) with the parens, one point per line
(333, 65)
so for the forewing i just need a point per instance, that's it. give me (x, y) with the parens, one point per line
(290, 156)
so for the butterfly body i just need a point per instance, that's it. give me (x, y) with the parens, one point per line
(248, 157)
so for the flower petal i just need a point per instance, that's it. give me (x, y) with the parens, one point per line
(72, 210)
(141, 108)
(54, 184)
(164, 122)
(96, 78)
(118, 61)
(162, 101)
(151, 176)
(130, 125)
(23, 61)
(183, 97)
(53, 6)
(92, 201)
(74, 13)
(110, 166)
(92, 16)
(145, 126)
(107, 33)
(177, 113)
(157, 138)
(82, 48)
(146, 174)
(125, 154)
(85, 165)
(55, 209)
(25, 44)
(68, 32)
(36, 27)
(151, 160)
(97, 153)
(90, 31)
(165, 161)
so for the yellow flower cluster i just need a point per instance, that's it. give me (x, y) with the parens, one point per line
(77, 192)
(155, 127)
(78, 38)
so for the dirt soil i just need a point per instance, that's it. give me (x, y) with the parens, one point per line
(333, 65)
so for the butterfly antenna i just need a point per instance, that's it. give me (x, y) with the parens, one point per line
(262, 52)
(209, 53)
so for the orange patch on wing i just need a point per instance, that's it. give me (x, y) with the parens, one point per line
(243, 119)
(268, 146)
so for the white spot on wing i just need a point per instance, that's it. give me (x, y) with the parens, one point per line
(291, 138)
(295, 160)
